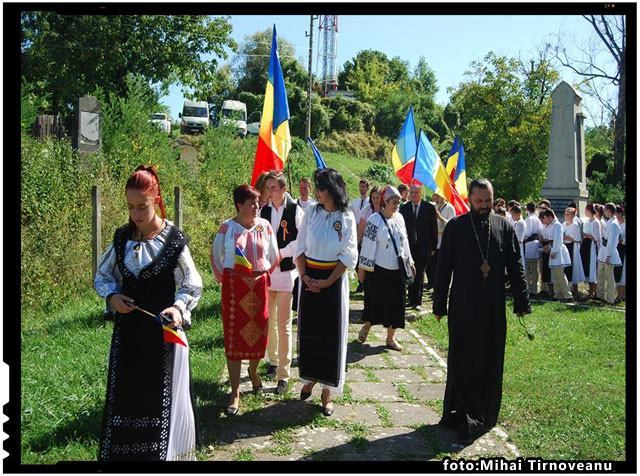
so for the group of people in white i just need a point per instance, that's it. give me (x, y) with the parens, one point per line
(559, 256)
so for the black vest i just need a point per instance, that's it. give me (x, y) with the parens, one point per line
(287, 223)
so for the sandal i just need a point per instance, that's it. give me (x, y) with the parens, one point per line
(394, 345)
(362, 335)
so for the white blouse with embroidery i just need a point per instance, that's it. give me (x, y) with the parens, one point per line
(377, 247)
(108, 278)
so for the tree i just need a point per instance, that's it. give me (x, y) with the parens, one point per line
(72, 54)
(251, 63)
(505, 117)
(602, 62)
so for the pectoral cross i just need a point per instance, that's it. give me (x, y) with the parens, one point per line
(485, 268)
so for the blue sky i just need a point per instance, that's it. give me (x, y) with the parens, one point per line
(449, 43)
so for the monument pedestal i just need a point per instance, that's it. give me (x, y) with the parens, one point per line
(566, 167)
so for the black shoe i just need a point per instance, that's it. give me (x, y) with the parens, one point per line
(326, 411)
(232, 411)
(282, 387)
(256, 389)
(304, 395)
(360, 288)
(271, 372)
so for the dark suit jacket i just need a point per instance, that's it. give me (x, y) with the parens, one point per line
(423, 232)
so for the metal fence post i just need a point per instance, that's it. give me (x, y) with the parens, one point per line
(96, 229)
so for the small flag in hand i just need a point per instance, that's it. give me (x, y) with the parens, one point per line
(242, 264)
(169, 335)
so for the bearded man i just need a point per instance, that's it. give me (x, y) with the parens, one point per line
(476, 247)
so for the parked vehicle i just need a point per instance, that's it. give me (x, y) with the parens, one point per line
(195, 117)
(253, 123)
(162, 121)
(235, 113)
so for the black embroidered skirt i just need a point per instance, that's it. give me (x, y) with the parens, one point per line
(384, 298)
(322, 327)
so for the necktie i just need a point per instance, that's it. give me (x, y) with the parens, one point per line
(415, 210)
(361, 203)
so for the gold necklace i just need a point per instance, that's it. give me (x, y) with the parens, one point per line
(485, 268)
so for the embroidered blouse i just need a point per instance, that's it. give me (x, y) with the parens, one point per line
(377, 247)
(109, 280)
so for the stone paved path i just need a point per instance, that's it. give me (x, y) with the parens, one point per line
(389, 411)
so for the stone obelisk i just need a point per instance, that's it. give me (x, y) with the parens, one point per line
(566, 167)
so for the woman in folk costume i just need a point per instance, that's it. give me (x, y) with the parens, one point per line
(532, 254)
(375, 205)
(545, 238)
(558, 256)
(588, 248)
(148, 412)
(608, 256)
(519, 227)
(572, 240)
(244, 250)
(380, 272)
(327, 246)
(620, 272)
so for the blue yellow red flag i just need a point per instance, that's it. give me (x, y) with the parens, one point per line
(455, 166)
(242, 264)
(274, 138)
(430, 171)
(316, 153)
(403, 155)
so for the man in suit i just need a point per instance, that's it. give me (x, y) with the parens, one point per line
(422, 231)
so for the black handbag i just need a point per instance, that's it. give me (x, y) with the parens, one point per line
(404, 263)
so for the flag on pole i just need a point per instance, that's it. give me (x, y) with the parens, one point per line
(455, 166)
(403, 156)
(274, 138)
(316, 153)
(430, 171)
(242, 264)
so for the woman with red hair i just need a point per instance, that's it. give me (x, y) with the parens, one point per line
(148, 412)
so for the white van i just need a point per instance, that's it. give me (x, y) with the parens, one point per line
(195, 116)
(235, 112)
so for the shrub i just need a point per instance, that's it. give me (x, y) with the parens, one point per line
(360, 144)
(381, 173)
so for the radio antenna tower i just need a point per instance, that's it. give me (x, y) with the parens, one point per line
(328, 52)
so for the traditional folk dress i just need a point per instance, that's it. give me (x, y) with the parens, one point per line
(520, 229)
(148, 411)
(559, 259)
(244, 296)
(477, 318)
(575, 272)
(609, 251)
(588, 250)
(532, 254)
(325, 238)
(620, 272)
(383, 285)
(546, 237)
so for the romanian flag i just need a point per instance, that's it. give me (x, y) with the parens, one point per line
(316, 153)
(242, 264)
(430, 171)
(456, 169)
(274, 139)
(171, 336)
(403, 156)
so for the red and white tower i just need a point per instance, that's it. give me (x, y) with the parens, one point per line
(328, 53)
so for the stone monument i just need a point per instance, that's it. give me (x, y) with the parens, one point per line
(87, 125)
(566, 167)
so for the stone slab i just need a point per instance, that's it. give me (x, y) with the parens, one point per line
(317, 439)
(407, 414)
(365, 414)
(355, 375)
(397, 440)
(435, 374)
(367, 360)
(376, 391)
(399, 375)
(426, 391)
(402, 360)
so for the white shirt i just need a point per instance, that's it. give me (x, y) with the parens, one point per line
(328, 236)
(533, 226)
(592, 227)
(357, 206)
(377, 248)
(561, 257)
(283, 280)
(611, 250)
(305, 205)
(446, 210)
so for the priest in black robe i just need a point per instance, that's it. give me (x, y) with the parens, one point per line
(477, 253)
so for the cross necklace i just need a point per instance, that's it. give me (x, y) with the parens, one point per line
(485, 268)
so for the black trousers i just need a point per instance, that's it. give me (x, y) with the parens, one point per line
(431, 268)
(414, 292)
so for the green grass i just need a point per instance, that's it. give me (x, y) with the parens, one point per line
(384, 415)
(563, 392)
